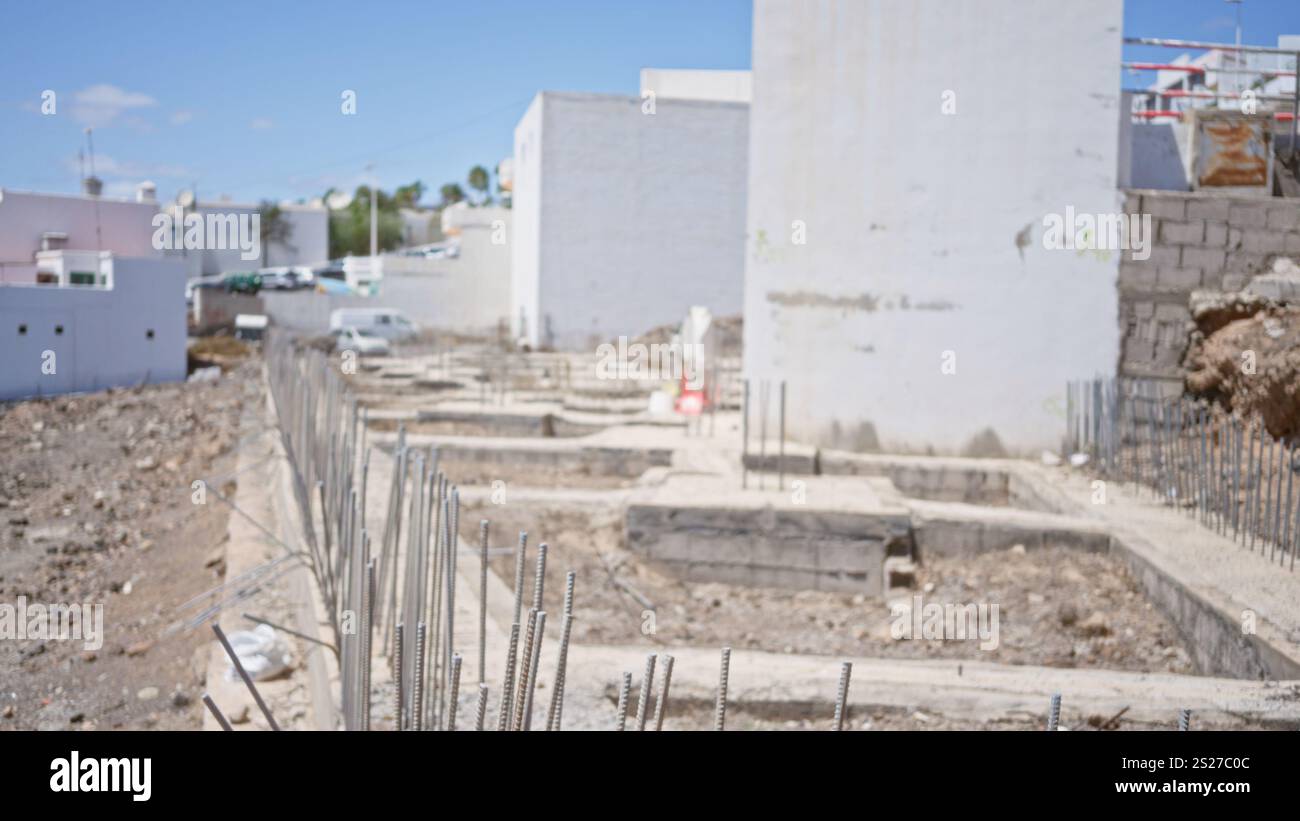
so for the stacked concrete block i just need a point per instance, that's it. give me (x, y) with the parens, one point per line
(1199, 241)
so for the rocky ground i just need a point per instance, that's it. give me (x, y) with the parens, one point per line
(96, 507)
(1056, 607)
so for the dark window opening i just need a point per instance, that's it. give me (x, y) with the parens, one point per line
(58, 330)
(148, 334)
(22, 330)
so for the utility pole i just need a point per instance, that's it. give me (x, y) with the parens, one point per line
(1237, 79)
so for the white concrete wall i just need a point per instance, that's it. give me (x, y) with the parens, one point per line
(308, 244)
(924, 230)
(100, 337)
(695, 84)
(125, 227)
(638, 216)
(526, 201)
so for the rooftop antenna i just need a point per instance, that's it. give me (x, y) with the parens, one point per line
(90, 146)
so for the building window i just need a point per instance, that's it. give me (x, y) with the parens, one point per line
(58, 330)
(22, 330)
(148, 334)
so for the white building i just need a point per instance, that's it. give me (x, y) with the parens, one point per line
(64, 338)
(902, 159)
(307, 243)
(31, 223)
(627, 211)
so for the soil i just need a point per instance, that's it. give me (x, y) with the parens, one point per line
(1219, 368)
(1057, 607)
(96, 508)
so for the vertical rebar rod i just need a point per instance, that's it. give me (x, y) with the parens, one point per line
(1184, 720)
(1289, 461)
(517, 722)
(623, 692)
(643, 698)
(1054, 716)
(508, 684)
(553, 715)
(520, 559)
(397, 677)
(764, 390)
(534, 669)
(482, 601)
(570, 579)
(539, 580)
(663, 693)
(453, 699)
(480, 709)
(842, 695)
(243, 674)
(720, 710)
(417, 697)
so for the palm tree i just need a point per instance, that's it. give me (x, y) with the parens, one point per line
(451, 193)
(275, 227)
(481, 181)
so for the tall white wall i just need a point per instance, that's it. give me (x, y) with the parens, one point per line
(924, 229)
(638, 216)
(126, 334)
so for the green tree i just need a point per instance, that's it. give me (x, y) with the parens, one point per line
(274, 227)
(451, 193)
(350, 226)
(408, 196)
(481, 181)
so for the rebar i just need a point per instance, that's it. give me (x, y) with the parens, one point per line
(243, 674)
(508, 684)
(623, 692)
(539, 581)
(397, 676)
(417, 698)
(525, 671)
(1184, 719)
(216, 713)
(842, 695)
(480, 709)
(482, 601)
(533, 669)
(643, 698)
(1054, 717)
(720, 711)
(663, 693)
(453, 699)
(556, 711)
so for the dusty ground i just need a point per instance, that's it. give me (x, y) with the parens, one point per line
(95, 507)
(1057, 607)
(1217, 370)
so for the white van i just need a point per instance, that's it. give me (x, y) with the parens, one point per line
(386, 322)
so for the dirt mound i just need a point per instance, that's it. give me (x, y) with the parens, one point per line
(1252, 365)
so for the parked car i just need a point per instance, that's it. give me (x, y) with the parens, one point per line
(279, 279)
(360, 340)
(389, 323)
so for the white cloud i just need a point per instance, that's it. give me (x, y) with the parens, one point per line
(181, 117)
(99, 105)
(261, 123)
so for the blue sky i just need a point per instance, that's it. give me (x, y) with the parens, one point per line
(242, 98)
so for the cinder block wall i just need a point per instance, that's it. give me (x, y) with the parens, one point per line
(1201, 240)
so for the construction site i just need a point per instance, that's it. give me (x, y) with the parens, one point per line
(881, 455)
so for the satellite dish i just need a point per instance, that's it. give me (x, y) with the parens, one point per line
(185, 198)
(338, 199)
